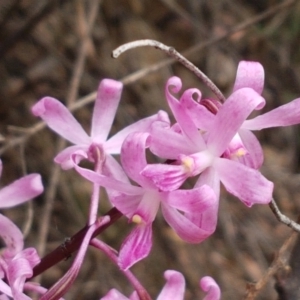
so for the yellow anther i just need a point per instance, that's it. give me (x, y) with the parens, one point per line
(240, 152)
(136, 219)
(188, 162)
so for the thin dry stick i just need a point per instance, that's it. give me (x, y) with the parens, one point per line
(278, 263)
(282, 218)
(177, 56)
(55, 172)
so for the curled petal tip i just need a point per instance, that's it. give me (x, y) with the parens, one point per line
(163, 116)
(211, 288)
(175, 83)
(38, 109)
(36, 184)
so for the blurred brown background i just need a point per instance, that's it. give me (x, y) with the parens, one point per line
(46, 48)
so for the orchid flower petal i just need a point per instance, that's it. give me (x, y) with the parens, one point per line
(200, 115)
(18, 270)
(247, 184)
(31, 255)
(207, 220)
(190, 128)
(21, 190)
(126, 204)
(113, 169)
(191, 201)
(148, 206)
(185, 229)
(133, 157)
(114, 294)
(285, 115)
(210, 177)
(212, 289)
(64, 284)
(250, 74)
(60, 120)
(136, 246)
(20, 296)
(113, 145)
(209, 217)
(3, 297)
(230, 117)
(106, 104)
(174, 288)
(177, 143)
(107, 182)
(11, 235)
(166, 177)
(254, 149)
(181, 113)
(33, 287)
(134, 296)
(64, 158)
(5, 288)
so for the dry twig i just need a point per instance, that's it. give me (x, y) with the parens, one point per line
(282, 218)
(278, 263)
(177, 56)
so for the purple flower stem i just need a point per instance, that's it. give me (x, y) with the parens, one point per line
(94, 204)
(65, 250)
(96, 188)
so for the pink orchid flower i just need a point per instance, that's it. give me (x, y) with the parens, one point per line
(174, 289)
(16, 264)
(197, 152)
(251, 74)
(245, 147)
(182, 209)
(60, 120)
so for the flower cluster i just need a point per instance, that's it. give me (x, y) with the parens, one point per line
(209, 140)
(16, 263)
(213, 141)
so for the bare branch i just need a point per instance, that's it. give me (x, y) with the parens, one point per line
(177, 56)
(283, 218)
(279, 262)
